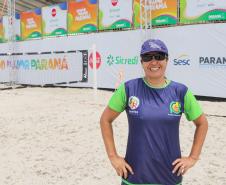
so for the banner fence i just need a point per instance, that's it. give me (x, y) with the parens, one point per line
(87, 16)
(199, 62)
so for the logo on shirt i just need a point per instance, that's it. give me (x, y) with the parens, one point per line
(133, 102)
(175, 107)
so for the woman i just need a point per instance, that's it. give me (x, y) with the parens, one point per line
(154, 105)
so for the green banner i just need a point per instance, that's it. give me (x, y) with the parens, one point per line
(202, 11)
(162, 12)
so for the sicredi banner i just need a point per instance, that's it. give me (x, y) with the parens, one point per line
(82, 16)
(54, 20)
(1, 30)
(163, 12)
(17, 27)
(114, 14)
(192, 11)
(31, 24)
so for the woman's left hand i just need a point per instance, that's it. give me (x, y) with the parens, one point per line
(182, 165)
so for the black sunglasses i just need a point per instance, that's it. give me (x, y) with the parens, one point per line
(156, 56)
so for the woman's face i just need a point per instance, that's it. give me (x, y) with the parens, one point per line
(154, 65)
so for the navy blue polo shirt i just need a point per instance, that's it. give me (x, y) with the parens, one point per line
(153, 115)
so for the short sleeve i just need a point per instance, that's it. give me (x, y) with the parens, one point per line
(118, 99)
(192, 108)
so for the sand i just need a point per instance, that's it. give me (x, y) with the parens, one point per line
(51, 136)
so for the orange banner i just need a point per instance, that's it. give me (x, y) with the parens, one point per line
(163, 12)
(31, 24)
(1, 31)
(82, 16)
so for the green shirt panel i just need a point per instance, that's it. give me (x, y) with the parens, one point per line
(118, 99)
(192, 108)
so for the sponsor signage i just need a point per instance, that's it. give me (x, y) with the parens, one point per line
(182, 60)
(54, 20)
(115, 14)
(212, 61)
(202, 10)
(31, 24)
(117, 60)
(160, 12)
(82, 16)
(98, 60)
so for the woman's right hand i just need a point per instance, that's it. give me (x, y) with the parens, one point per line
(121, 166)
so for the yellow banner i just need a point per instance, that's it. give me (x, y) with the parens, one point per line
(163, 12)
(1, 31)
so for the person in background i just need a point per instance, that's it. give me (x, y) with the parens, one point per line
(154, 106)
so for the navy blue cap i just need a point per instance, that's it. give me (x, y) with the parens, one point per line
(153, 45)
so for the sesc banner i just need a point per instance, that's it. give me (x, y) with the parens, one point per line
(114, 14)
(202, 11)
(31, 24)
(82, 16)
(17, 27)
(54, 20)
(163, 12)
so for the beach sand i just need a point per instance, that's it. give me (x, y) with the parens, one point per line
(51, 136)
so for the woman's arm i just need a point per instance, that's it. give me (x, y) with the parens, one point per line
(184, 163)
(107, 117)
(199, 137)
(120, 165)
